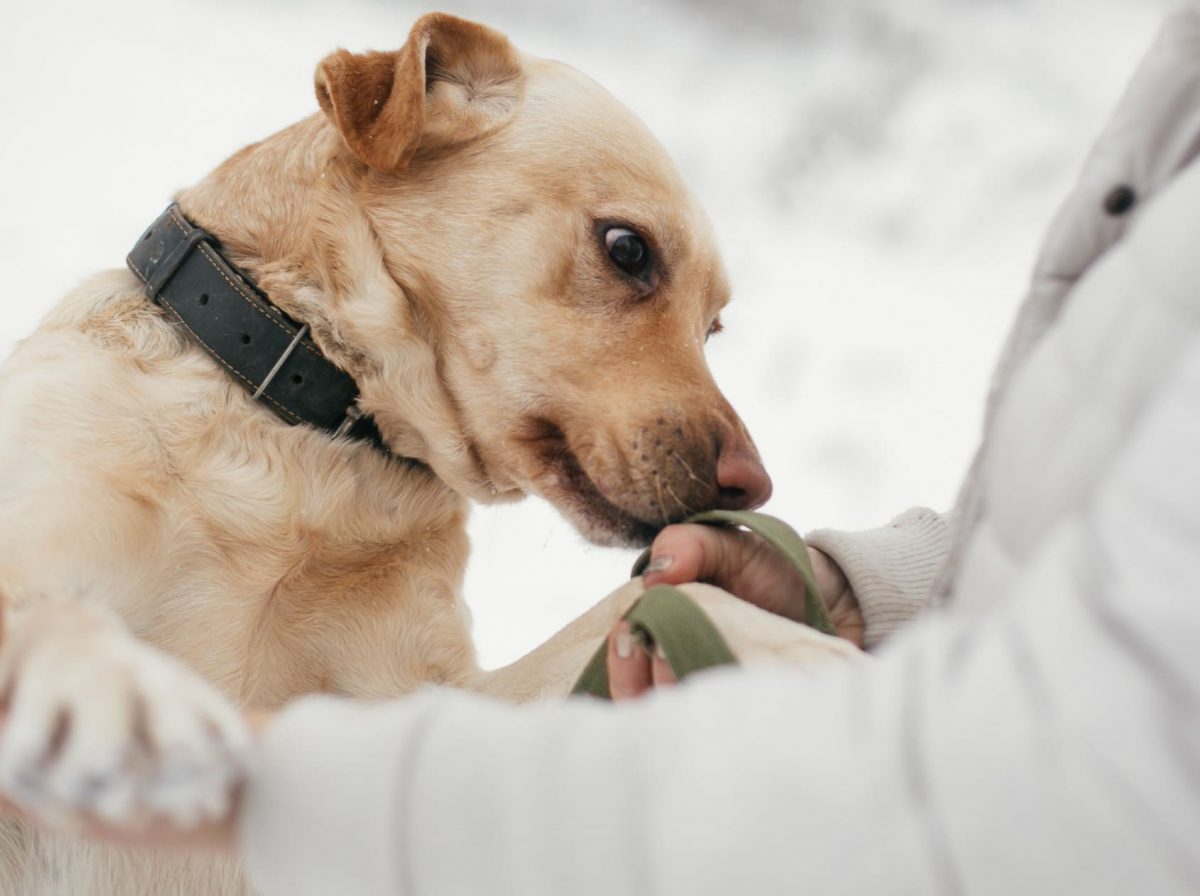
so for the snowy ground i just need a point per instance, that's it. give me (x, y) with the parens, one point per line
(879, 172)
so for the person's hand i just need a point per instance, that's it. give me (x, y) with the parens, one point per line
(742, 564)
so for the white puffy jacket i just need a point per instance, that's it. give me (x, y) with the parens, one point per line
(1041, 734)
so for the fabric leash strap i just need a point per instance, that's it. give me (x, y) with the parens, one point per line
(272, 356)
(667, 618)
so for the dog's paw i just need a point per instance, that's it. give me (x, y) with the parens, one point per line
(98, 723)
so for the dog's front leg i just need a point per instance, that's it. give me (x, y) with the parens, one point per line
(99, 723)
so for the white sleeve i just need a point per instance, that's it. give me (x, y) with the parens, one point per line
(1049, 746)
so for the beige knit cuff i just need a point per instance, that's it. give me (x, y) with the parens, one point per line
(891, 569)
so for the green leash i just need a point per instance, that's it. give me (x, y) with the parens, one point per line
(666, 617)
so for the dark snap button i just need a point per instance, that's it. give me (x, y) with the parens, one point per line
(1119, 200)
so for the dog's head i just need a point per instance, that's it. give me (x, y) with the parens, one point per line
(560, 279)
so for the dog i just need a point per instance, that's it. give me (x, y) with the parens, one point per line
(518, 284)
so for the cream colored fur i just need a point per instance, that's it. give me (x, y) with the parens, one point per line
(459, 277)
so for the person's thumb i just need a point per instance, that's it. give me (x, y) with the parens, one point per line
(693, 553)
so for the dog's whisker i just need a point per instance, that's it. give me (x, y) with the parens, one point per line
(662, 506)
(691, 473)
(683, 505)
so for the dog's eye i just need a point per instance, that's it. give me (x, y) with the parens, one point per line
(627, 250)
(715, 328)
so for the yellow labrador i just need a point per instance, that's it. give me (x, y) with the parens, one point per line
(510, 272)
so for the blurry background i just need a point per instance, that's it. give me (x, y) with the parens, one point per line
(879, 174)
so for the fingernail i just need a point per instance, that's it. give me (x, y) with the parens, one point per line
(658, 652)
(624, 641)
(661, 563)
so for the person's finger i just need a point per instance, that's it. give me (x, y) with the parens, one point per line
(660, 670)
(691, 553)
(628, 665)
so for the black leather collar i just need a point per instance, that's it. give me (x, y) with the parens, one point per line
(257, 344)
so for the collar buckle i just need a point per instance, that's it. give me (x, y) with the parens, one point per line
(287, 353)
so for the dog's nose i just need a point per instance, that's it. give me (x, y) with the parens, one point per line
(742, 480)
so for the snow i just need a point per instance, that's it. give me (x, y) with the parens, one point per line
(879, 174)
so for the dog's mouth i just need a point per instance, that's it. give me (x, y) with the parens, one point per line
(565, 483)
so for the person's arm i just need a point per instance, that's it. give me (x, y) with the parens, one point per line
(1048, 746)
(890, 570)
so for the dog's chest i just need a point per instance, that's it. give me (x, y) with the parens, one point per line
(316, 586)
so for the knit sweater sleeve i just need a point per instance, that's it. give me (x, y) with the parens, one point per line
(890, 569)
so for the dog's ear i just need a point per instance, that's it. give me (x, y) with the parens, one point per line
(451, 82)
